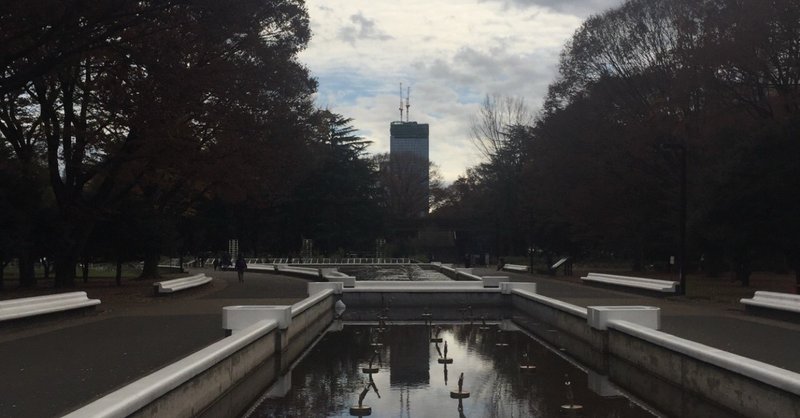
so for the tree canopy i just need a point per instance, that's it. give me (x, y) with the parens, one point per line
(640, 87)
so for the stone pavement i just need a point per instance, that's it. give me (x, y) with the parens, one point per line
(48, 369)
(52, 367)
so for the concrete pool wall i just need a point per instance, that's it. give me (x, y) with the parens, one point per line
(634, 356)
(631, 355)
(225, 377)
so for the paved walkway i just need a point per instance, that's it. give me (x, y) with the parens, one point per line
(52, 367)
(48, 369)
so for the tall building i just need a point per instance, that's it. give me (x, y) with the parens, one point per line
(409, 137)
(408, 153)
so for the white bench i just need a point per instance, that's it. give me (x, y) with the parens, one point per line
(515, 267)
(774, 300)
(662, 286)
(174, 285)
(40, 305)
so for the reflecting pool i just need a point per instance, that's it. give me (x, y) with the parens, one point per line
(412, 380)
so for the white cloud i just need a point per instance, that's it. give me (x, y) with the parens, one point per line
(452, 53)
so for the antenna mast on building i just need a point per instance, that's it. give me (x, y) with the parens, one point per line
(401, 102)
(408, 112)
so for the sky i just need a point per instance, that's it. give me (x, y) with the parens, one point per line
(451, 53)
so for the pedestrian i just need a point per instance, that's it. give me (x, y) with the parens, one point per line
(241, 266)
(216, 263)
(500, 264)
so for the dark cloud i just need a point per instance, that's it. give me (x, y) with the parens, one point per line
(361, 29)
(582, 8)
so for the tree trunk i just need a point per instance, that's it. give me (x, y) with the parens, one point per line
(797, 280)
(73, 238)
(3, 265)
(743, 272)
(794, 262)
(65, 271)
(27, 275)
(638, 259)
(118, 276)
(150, 268)
(85, 267)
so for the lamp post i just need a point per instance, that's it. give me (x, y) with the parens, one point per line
(681, 148)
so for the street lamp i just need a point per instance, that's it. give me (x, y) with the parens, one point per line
(681, 148)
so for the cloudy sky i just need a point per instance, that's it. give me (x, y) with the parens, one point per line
(450, 52)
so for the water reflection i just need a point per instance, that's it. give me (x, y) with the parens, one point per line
(410, 382)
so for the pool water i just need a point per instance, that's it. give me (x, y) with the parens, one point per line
(412, 382)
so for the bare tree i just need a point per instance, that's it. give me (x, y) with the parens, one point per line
(497, 115)
(410, 190)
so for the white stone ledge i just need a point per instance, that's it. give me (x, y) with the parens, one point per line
(763, 372)
(135, 396)
(515, 267)
(40, 305)
(261, 267)
(239, 317)
(772, 305)
(304, 271)
(310, 301)
(664, 286)
(316, 287)
(493, 281)
(468, 275)
(508, 288)
(174, 285)
(774, 300)
(553, 303)
(647, 316)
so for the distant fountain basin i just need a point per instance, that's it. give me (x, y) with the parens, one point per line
(410, 272)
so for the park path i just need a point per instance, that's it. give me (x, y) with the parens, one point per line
(50, 368)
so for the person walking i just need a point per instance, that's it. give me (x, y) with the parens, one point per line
(241, 266)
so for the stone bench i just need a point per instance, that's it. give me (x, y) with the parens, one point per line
(774, 301)
(174, 285)
(40, 305)
(660, 286)
(515, 267)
